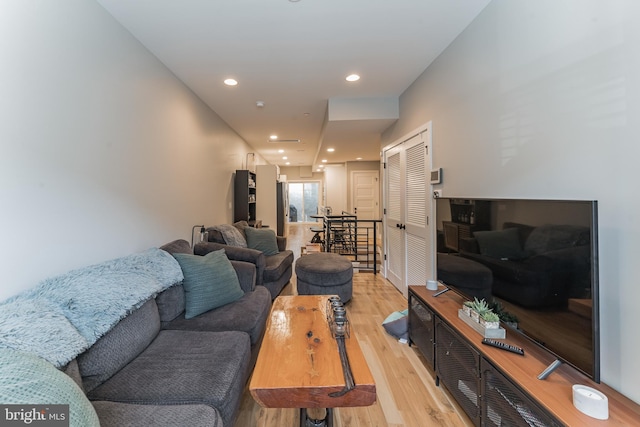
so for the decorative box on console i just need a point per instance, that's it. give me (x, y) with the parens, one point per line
(499, 333)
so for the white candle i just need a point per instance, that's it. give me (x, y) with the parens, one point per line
(590, 402)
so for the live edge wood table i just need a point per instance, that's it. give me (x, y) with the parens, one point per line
(298, 365)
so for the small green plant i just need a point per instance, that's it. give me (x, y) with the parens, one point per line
(490, 316)
(480, 306)
(468, 304)
(504, 315)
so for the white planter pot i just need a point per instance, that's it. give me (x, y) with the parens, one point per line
(489, 325)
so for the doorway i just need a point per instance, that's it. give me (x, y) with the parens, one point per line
(304, 199)
(365, 194)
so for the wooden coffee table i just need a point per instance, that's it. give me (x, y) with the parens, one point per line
(299, 365)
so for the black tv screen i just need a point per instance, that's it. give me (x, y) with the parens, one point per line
(534, 261)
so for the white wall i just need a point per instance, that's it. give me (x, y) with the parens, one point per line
(542, 100)
(104, 152)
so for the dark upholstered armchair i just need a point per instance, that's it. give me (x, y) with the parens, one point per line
(273, 271)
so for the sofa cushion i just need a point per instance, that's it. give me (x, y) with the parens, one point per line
(241, 225)
(231, 235)
(119, 346)
(262, 239)
(500, 243)
(30, 380)
(182, 368)
(248, 314)
(115, 414)
(276, 265)
(180, 246)
(171, 303)
(210, 281)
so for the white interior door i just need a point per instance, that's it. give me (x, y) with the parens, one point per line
(408, 205)
(365, 194)
(417, 209)
(394, 217)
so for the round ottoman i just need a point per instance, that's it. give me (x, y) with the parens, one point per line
(470, 277)
(325, 274)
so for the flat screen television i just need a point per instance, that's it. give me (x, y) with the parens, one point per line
(535, 262)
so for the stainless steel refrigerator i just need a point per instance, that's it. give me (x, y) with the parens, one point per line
(282, 206)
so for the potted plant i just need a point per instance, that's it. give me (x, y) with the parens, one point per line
(507, 318)
(479, 307)
(490, 320)
(467, 306)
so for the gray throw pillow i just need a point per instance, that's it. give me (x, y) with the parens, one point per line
(262, 239)
(502, 244)
(210, 281)
(396, 324)
(232, 236)
(241, 225)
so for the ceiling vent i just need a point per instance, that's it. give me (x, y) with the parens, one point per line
(277, 141)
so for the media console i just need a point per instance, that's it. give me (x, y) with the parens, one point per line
(496, 387)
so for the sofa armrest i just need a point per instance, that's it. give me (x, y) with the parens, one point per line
(282, 243)
(235, 253)
(246, 272)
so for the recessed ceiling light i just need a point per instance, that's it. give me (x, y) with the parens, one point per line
(281, 151)
(284, 157)
(272, 137)
(331, 150)
(320, 166)
(230, 82)
(288, 163)
(324, 160)
(318, 170)
(358, 158)
(353, 78)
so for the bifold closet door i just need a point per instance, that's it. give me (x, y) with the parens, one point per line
(408, 207)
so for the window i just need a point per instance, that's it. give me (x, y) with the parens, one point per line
(303, 201)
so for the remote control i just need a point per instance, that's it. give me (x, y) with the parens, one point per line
(503, 346)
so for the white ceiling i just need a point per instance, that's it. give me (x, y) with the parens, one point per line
(294, 56)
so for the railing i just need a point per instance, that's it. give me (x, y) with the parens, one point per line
(355, 238)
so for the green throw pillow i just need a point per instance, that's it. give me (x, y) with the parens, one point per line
(262, 239)
(29, 380)
(210, 281)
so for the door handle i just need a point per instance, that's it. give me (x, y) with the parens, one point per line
(397, 225)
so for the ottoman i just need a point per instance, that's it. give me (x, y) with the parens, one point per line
(325, 274)
(469, 277)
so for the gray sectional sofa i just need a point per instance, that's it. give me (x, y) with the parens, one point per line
(154, 366)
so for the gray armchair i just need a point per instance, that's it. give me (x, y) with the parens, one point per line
(272, 271)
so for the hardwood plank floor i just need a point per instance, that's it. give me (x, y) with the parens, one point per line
(406, 390)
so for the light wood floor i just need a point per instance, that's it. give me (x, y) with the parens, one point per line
(406, 391)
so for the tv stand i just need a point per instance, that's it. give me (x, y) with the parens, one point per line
(549, 370)
(496, 387)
